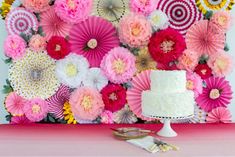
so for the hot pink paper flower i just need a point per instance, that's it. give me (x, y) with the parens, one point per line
(134, 30)
(14, 47)
(36, 109)
(221, 64)
(37, 43)
(144, 7)
(106, 117)
(217, 93)
(86, 103)
(219, 115)
(194, 83)
(73, 11)
(36, 5)
(223, 20)
(118, 65)
(15, 104)
(20, 120)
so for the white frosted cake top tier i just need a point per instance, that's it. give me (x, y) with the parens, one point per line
(168, 81)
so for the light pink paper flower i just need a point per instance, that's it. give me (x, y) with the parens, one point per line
(20, 120)
(118, 65)
(194, 83)
(14, 47)
(37, 43)
(219, 115)
(106, 117)
(36, 5)
(86, 103)
(221, 64)
(15, 104)
(73, 11)
(223, 20)
(144, 7)
(135, 30)
(36, 109)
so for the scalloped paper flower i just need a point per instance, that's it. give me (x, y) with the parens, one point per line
(144, 7)
(223, 20)
(37, 43)
(15, 104)
(219, 115)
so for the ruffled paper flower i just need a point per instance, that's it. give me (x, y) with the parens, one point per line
(36, 109)
(158, 20)
(222, 19)
(106, 117)
(219, 115)
(188, 60)
(14, 47)
(221, 64)
(203, 70)
(134, 30)
(166, 46)
(125, 116)
(114, 97)
(72, 70)
(68, 114)
(34, 76)
(73, 11)
(58, 47)
(144, 61)
(86, 103)
(20, 120)
(93, 41)
(217, 93)
(52, 25)
(194, 83)
(36, 5)
(37, 43)
(95, 79)
(144, 7)
(5, 9)
(14, 104)
(118, 65)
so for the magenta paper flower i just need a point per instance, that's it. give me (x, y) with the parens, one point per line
(118, 65)
(36, 5)
(144, 7)
(36, 109)
(20, 120)
(134, 30)
(15, 104)
(106, 117)
(14, 47)
(222, 19)
(217, 93)
(73, 11)
(219, 115)
(194, 83)
(37, 43)
(86, 103)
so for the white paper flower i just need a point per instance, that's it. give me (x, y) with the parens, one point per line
(158, 20)
(95, 79)
(72, 70)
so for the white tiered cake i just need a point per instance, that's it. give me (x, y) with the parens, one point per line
(168, 96)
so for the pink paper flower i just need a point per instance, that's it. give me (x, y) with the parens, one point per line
(134, 30)
(188, 60)
(194, 83)
(144, 7)
(20, 120)
(106, 117)
(37, 43)
(36, 109)
(222, 19)
(221, 64)
(36, 5)
(73, 11)
(15, 104)
(86, 103)
(14, 47)
(219, 115)
(118, 65)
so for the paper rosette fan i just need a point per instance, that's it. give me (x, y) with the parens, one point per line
(214, 5)
(181, 13)
(217, 93)
(93, 38)
(20, 20)
(219, 115)
(111, 10)
(34, 76)
(140, 83)
(202, 38)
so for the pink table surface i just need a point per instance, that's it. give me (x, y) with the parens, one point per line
(204, 140)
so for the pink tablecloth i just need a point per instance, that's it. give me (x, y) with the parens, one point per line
(207, 140)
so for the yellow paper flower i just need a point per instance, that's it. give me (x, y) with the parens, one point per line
(68, 115)
(5, 9)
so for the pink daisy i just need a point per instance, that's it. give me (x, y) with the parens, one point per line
(15, 104)
(219, 115)
(194, 83)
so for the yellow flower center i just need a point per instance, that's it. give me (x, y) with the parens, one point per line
(113, 97)
(36, 109)
(204, 71)
(119, 66)
(71, 4)
(222, 20)
(221, 64)
(214, 94)
(71, 70)
(156, 19)
(190, 85)
(92, 43)
(136, 29)
(167, 46)
(57, 47)
(187, 60)
(86, 103)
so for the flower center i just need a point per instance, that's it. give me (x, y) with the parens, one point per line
(221, 64)
(87, 103)
(36, 108)
(156, 19)
(113, 97)
(214, 94)
(71, 70)
(203, 71)
(187, 60)
(36, 74)
(222, 20)
(92, 43)
(13, 44)
(136, 29)
(71, 4)
(144, 2)
(190, 85)
(119, 66)
(167, 46)
(57, 47)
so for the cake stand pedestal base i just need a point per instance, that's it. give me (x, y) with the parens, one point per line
(166, 130)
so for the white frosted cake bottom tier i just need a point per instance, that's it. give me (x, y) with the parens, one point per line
(168, 105)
